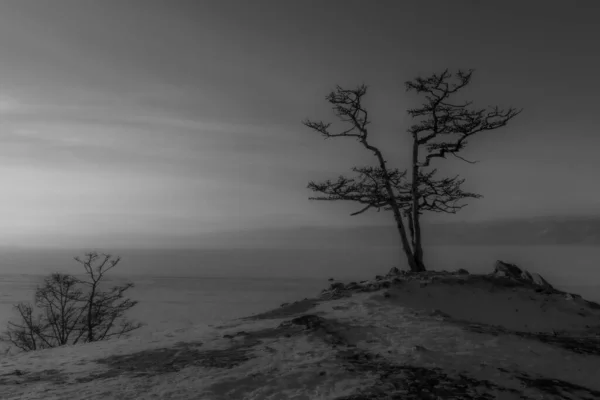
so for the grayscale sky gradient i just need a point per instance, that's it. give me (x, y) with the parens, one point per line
(146, 119)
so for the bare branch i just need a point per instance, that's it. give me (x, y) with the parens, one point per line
(362, 210)
(454, 122)
(368, 188)
(435, 195)
(69, 315)
(465, 160)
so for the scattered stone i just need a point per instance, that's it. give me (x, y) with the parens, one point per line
(554, 387)
(438, 313)
(462, 271)
(294, 308)
(240, 333)
(371, 287)
(310, 321)
(336, 286)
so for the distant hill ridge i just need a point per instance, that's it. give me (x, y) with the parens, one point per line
(529, 231)
(514, 232)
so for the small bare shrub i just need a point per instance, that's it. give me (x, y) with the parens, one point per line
(73, 310)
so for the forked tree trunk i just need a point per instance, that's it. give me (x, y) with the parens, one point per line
(412, 264)
(414, 214)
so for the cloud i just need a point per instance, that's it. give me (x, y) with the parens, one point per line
(9, 105)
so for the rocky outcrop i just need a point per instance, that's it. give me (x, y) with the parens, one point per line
(511, 271)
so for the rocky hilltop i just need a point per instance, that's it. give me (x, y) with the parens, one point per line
(432, 335)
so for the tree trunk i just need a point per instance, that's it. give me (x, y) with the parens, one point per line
(415, 223)
(412, 264)
(411, 228)
(90, 323)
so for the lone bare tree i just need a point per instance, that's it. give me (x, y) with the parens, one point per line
(69, 314)
(442, 129)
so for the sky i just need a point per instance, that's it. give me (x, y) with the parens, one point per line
(146, 120)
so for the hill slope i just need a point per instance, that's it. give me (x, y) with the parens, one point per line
(409, 336)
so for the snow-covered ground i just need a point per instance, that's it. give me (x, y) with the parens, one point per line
(456, 337)
(176, 303)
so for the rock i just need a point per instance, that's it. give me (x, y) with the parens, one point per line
(336, 286)
(240, 333)
(526, 275)
(507, 269)
(511, 271)
(540, 281)
(394, 271)
(462, 271)
(310, 321)
(436, 312)
(330, 279)
(378, 277)
(371, 287)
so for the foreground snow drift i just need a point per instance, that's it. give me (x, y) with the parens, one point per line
(426, 336)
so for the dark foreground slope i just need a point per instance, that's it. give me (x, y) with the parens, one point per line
(425, 336)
